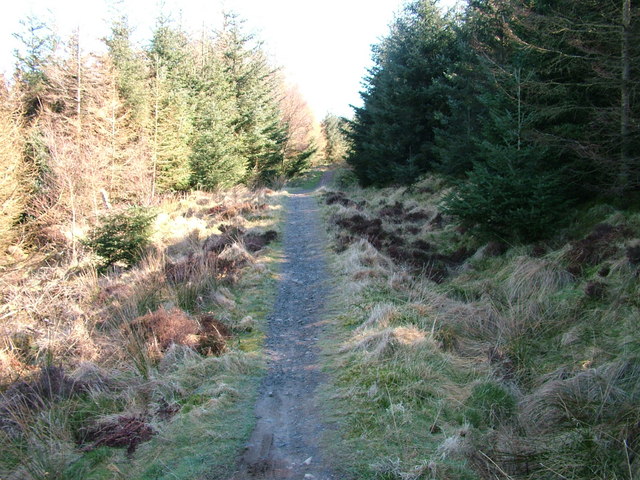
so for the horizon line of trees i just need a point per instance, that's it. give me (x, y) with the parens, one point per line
(183, 112)
(527, 105)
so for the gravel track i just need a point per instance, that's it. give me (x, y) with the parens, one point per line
(285, 442)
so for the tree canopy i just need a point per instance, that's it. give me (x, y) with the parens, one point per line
(504, 92)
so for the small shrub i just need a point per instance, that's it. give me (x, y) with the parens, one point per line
(507, 199)
(346, 179)
(122, 237)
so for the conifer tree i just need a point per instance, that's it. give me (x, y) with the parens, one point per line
(463, 84)
(393, 133)
(581, 55)
(129, 113)
(258, 125)
(216, 158)
(38, 44)
(131, 73)
(171, 125)
(14, 185)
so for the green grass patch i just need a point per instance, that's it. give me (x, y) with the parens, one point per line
(203, 441)
(308, 180)
(549, 325)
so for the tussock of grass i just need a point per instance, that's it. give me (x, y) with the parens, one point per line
(382, 314)
(378, 345)
(516, 362)
(131, 338)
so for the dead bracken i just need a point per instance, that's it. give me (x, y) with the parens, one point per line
(123, 431)
(417, 254)
(599, 245)
(163, 328)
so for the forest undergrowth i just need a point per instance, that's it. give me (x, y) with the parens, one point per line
(457, 358)
(141, 372)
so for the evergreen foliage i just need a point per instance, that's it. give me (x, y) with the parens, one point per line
(506, 89)
(14, 187)
(171, 127)
(121, 237)
(131, 73)
(182, 112)
(261, 135)
(216, 159)
(393, 133)
(505, 197)
(38, 44)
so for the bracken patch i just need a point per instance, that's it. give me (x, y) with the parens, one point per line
(213, 335)
(596, 247)
(167, 327)
(124, 431)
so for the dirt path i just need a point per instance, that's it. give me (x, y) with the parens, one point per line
(285, 441)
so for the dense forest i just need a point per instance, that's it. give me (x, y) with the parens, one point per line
(82, 131)
(531, 105)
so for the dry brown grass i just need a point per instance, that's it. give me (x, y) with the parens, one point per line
(58, 307)
(378, 345)
(140, 339)
(382, 314)
(596, 395)
(13, 173)
(165, 327)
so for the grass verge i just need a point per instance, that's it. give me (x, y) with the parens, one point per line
(147, 372)
(452, 358)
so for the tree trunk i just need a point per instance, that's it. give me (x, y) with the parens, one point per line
(156, 107)
(625, 90)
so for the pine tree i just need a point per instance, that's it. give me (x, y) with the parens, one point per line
(129, 114)
(393, 134)
(171, 118)
(254, 84)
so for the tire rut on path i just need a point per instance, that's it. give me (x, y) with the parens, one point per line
(284, 444)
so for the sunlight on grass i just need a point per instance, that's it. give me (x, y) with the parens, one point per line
(129, 342)
(512, 361)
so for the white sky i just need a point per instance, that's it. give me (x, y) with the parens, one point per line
(323, 45)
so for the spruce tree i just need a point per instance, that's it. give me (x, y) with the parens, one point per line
(171, 125)
(38, 44)
(257, 123)
(393, 133)
(216, 158)
(581, 54)
(131, 72)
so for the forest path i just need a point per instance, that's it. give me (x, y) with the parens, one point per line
(285, 442)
